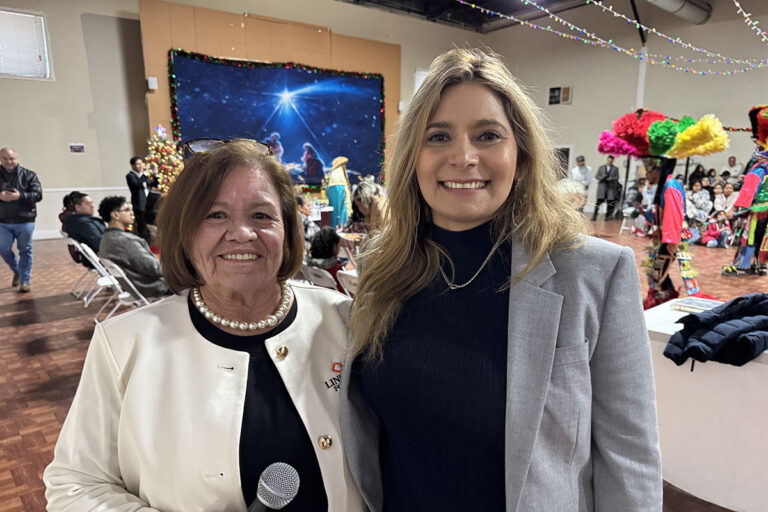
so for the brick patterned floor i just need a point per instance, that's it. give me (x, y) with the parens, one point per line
(45, 336)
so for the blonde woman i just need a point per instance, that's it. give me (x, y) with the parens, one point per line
(501, 361)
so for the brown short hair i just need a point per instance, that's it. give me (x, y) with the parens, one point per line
(194, 191)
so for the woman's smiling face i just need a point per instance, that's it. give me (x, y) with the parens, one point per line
(239, 245)
(468, 157)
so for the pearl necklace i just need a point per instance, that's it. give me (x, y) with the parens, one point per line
(271, 321)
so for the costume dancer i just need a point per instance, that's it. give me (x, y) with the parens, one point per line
(752, 254)
(673, 236)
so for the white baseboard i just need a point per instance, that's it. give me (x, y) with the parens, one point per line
(46, 234)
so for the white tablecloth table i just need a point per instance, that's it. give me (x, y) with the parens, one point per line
(713, 422)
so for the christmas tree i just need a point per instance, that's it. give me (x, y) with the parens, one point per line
(165, 160)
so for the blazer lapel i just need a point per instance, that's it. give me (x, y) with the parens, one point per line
(534, 317)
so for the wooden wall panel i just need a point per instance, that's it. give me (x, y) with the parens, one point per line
(183, 27)
(258, 38)
(311, 46)
(155, 32)
(167, 25)
(280, 44)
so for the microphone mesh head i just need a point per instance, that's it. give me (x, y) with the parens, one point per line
(278, 485)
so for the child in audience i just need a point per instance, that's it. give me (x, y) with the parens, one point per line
(718, 231)
(699, 204)
(707, 185)
(324, 253)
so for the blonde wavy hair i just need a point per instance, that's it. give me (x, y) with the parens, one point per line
(403, 259)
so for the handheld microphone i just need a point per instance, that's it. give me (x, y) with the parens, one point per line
(278, 485)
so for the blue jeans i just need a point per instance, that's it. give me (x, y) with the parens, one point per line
(22, 233)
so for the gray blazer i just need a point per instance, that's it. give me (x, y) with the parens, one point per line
(581, 430)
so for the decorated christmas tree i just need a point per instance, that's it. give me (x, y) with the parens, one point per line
(165, 160)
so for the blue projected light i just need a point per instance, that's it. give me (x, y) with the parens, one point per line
(307, 113)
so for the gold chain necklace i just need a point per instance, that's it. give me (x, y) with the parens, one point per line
(454, 286)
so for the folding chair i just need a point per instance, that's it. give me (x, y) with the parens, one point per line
(132, 297)
(626, 223)
(105, 279)
(73, 246)
(318, 277)
(348, 280)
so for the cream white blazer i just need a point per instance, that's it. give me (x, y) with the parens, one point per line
(155, 423)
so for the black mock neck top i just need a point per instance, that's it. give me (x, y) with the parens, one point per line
(440, 389)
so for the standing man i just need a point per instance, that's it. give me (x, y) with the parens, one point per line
(139, 185)
(582, 173)
(19, 191)
(608, 187)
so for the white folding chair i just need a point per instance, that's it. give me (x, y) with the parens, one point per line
(348, 280)
(132, 297)
(318, 277)
(626, 223)
(71, 242)
(105, 280)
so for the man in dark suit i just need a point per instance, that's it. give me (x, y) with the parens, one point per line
(139, 185)
(608, 187)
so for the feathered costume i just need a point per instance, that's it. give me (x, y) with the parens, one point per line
(752, 237)
(647, 133)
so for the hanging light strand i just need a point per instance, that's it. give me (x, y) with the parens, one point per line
(669, 39)
(594, 40)
(751, 24)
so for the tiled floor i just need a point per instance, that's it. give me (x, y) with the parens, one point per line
(45, 336)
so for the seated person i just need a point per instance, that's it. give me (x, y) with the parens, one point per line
(698, 203)
(709, 187)
(305, 210)
(724, 178)
(355, 222)
(324, 253)
(726, 200)
(128, 251)
(370, 200)
(635, 206)
(718, 231)
(80, 223)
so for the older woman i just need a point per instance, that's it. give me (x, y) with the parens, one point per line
(184, 403)
(502, 361)
(370, 200)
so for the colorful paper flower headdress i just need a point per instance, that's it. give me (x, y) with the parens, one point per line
(648, 133)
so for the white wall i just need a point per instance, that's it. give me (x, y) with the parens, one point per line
(96, 98)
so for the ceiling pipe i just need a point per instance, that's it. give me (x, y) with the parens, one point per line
(697, 12)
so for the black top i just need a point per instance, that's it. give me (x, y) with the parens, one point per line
(272, 429)
(440, 390)
(86, 229)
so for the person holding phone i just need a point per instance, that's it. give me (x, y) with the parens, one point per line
(20, 190)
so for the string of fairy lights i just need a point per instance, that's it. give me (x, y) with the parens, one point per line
(585, 36)
(712, 57)
(752, 24)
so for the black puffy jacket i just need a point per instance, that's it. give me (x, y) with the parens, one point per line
(734, 333)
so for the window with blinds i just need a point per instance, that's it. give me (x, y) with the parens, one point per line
(24, 51)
